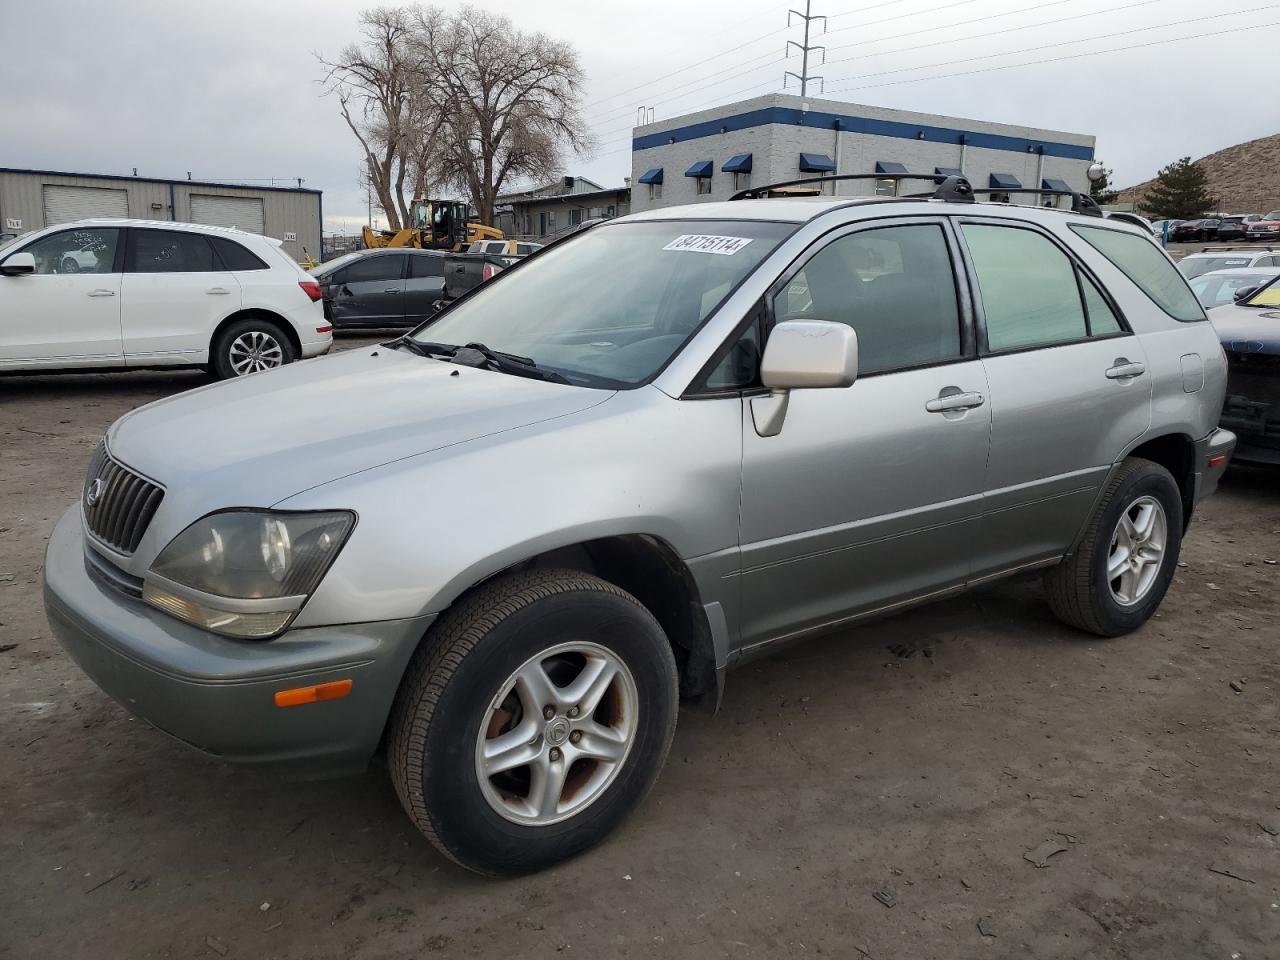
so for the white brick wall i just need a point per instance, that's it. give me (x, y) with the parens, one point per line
(776, 149)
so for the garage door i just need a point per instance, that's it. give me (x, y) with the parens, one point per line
(244, 213)
(64, 204)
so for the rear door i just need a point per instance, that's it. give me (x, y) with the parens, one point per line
(67, 313)
(1069, 390)
(424, 286)
(371, 291)
(175, 293)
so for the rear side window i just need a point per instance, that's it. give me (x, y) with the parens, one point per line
(374, 268)
(171, 251)
(1148, 268)
(425, 266)
(236, 256)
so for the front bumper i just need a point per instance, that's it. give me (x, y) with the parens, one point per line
(1213, 455)
(217, 694)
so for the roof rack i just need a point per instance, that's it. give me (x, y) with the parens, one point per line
(950, 188)
(1228, 247)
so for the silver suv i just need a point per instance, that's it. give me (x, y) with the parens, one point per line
(656, 450)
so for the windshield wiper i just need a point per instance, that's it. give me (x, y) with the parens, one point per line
(478, 355)
(420, 348)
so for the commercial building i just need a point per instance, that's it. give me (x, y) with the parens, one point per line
(33, 199)
(712, 153)
(553, 209)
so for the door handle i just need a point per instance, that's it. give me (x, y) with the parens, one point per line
(1123, 369)
(950, 402)
(391, 290)
(100, 292)
(218, 291)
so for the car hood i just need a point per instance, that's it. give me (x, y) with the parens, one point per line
(258, 440)
(1247, 329)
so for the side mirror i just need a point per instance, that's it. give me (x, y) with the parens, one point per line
(1244, 293)
(802, 355)
(18, 264)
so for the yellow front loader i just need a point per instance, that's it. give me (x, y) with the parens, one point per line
(437, 225)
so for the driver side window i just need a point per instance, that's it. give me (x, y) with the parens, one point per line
(75, 251)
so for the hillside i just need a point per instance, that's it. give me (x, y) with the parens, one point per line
(1245, 178)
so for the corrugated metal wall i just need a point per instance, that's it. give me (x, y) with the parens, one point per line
(285, 212)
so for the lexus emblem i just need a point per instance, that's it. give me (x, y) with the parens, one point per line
(95, 490)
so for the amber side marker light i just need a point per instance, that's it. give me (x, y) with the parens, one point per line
(298, 696)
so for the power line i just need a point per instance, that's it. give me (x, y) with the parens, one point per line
(951, 26)
(1063, 43)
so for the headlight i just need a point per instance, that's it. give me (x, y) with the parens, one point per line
(245, 573)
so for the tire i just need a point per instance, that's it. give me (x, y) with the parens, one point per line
(1079, 589)
(457, 703)
(250, 346)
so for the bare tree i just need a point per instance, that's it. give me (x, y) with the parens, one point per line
(508, 100)
(378, 86)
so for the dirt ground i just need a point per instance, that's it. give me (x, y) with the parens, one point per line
(870, 794)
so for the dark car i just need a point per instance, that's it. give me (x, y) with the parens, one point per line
(1187, 231)
(1249, 331)
(1236, 228)
(381, 288)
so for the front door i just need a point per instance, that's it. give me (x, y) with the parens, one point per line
(424, 287)
(1070, 392)
(869, 496)
(371, 291)
(66, 313)
(175, 294)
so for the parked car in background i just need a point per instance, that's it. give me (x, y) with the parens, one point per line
(1250, 335)
(390, 287)
(1221, 286)
(507, 544)
(463, 272)
(1266, 228)
(1226, 258)
(1236, 228)
(138, 293)
(511, 248)
(1187, 231)
(1165, 228)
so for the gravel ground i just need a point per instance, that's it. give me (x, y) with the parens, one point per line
(872, 793)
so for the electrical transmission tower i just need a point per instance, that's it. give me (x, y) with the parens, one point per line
(805, 49)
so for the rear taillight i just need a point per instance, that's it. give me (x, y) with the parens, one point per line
(490, 271)
(328, 328)
(311, 288)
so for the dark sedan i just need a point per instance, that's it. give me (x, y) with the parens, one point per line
(1250, 334)
(381, 288)
(1195, 230)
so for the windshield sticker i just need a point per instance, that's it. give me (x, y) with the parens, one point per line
(705, 243)
(1236, 263)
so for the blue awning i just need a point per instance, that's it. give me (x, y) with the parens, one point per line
(816, 163)
(739, 163)
(1047, 184)
(948, 171)
(700, 169)
(652, 176)
(1005, 181)
(888, 166)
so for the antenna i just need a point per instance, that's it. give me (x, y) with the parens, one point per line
(805, 49)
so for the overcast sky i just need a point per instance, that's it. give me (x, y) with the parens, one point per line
(228, 91)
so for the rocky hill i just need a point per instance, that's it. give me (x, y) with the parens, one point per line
(1245, 178)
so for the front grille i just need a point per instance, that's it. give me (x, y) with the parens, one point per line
(123, 502)
(1252, 405)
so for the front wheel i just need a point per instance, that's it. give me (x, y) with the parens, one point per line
(535, 717)
(1119, 573)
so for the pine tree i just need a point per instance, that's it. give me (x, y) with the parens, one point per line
(1179, 192)
(1101, 190)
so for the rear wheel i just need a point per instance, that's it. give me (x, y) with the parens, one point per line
(535, 717)
(250, 346)
(1118, 575)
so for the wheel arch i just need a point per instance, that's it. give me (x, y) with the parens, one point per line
(257, 313)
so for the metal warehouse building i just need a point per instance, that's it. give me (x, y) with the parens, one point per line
(709, 154)
(32, 199)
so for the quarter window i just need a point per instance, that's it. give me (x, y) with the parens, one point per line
(172, 251)
(75, 251)
(1148, 267)
(235, 256)
(894, 285)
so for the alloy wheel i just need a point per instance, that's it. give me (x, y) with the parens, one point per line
(557, 734)
(254, 351)
(1137, 550)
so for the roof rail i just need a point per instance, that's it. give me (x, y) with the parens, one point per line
(950, 188)
(1228, 247)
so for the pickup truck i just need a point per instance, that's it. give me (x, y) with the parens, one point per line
(512, 248)
(463, 272)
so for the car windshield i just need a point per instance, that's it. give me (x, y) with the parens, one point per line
(1191, 267)
(611, 306)
(1215, 289)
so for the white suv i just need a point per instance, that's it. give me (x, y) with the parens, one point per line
(138, 293)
